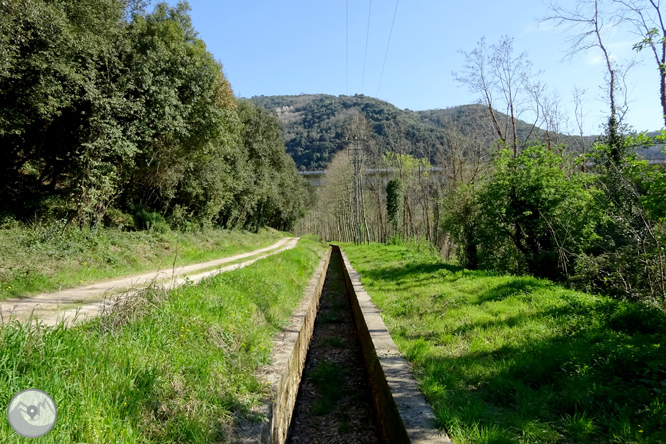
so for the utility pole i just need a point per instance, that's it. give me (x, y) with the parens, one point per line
(356, 136)
(356, 159)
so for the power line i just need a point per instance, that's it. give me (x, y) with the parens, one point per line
(387, 46)
(347, 47)
(367, 35)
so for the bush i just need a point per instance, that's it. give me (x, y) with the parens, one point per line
(117, 219)
(147, 219)
(537, 213)
(179, 219)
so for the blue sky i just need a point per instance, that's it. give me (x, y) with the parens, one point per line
(298, 46)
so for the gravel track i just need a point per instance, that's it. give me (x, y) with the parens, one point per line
(74, 305)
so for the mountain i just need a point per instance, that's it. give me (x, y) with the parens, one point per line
(313, 125)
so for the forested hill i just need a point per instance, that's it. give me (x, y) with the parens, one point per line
(313, 125)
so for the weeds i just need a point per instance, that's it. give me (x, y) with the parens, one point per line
(327, 378)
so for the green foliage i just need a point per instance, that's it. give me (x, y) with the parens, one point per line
(105, 105)
(191, 132)
(273, 195)
(145, 219)
(395, 202)
(537, 209)
(602, 231)
(117, 219)
(628, 260)
(63, 123)
(517, 359)
(650, 179)
(462, 220)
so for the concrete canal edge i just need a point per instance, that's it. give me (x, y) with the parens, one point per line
(290, 349)
(403, 415)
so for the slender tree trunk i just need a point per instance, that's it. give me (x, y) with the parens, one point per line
(513, 127)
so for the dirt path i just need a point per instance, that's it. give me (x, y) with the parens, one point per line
(78, 304)
(334, 404)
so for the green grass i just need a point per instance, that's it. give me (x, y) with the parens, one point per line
(333, 342)
(176, 367)
(327, 378)
(507, 359)
(44, 258)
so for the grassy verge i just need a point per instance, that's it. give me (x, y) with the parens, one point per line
(505, 359)
(177, 367)
(47, 259)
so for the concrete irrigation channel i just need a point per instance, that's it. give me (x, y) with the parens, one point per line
(337, 376)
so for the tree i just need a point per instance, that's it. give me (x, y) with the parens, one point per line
(538, 204)
(394, 203)
(274, 196)
(190, 133)
(501, 79)
(589, 25)
(647, 21)
(461, 219)
(103, 104)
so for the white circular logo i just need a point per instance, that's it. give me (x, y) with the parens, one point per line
(32, 413)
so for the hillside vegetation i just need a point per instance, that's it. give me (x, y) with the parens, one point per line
(313, 126)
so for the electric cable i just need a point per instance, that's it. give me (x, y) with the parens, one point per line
(365, 59)
(395, 12)
(347, 47)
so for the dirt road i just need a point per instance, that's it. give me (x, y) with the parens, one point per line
(80, 303)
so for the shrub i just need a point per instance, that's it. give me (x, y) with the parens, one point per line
(117, 219)
(147, 219)
(535, 205)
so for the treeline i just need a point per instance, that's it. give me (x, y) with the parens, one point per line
(110, 114)
(601, 229)
(593, 218)
(314, 126)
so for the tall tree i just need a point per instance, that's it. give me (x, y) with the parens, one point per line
(588, 26)
(647, 20)
(502, 79)
(394, 203)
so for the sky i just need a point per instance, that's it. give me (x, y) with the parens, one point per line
(289, 47)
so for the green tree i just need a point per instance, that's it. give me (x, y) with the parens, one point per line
(628, 260)
(190, 151)
(102, 105)
(65, 127)
(541, 206)
(461, 219)
(275, 195)
(394, 203)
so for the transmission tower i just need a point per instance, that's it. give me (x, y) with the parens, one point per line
(356, 152)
